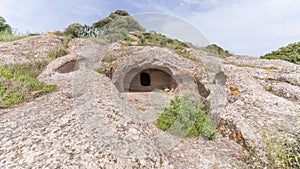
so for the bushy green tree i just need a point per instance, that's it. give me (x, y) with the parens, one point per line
(117, 26)
(4, 26)
(73, 30)
(289, 53)
(102, 22)
(115, 15)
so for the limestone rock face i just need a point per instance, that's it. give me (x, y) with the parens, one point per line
(95, 121)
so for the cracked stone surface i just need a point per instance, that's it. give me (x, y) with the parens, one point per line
(88, 123)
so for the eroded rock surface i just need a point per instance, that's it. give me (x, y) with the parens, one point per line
(30, 49)
(88, 123)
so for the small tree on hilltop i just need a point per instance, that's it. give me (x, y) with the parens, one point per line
(73, 30)
(4, 26)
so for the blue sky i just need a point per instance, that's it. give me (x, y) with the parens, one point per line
(241, 26)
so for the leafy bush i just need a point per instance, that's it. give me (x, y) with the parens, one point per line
(103, 22)
(73, 30)
(19, 81)
(113, 16)
(116, 26)
(186, 117)
(289, 53)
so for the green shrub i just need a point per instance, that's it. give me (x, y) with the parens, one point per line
(73, 30)
(101, 23)
(116, 26)
(19, 81)
(289, 53)
(186, 118)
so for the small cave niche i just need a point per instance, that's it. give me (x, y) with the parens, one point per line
(67, 67)
(149, 80)
(145, 79)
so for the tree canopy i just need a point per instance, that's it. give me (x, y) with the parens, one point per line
(4, 26)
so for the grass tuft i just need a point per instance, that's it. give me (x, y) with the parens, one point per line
(19, 83)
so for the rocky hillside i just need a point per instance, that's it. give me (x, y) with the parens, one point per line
(65, 102)
(255, 103)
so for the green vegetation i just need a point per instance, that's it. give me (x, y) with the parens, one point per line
(279, 153)
(101, 71)
(6, 36)
(154, 39)
(186, 118)
(73, 30)
(109, 59)
(110, 29)
(128, 39)
(289, 53)
(58, 51)
(216, 50)
(19, 83)
(3, 26)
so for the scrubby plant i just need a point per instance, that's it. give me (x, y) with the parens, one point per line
(186, 117)
(289, 53)
(73, 30)
(19, 81)
(116, 26)
(113, 16)
(103, 22)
